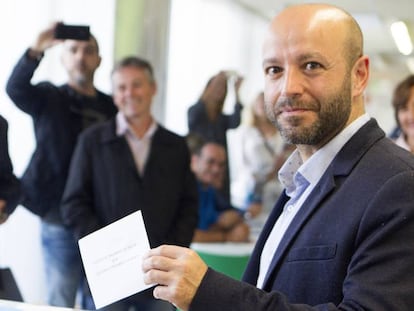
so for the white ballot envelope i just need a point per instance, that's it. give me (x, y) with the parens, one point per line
(112, 258)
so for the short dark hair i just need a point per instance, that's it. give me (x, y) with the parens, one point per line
(401, 95)
(195, 142)
(137, 62)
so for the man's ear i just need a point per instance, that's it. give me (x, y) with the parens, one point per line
(360, 76)
(155, 88)
(193, 163)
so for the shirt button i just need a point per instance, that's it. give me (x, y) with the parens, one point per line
(290, 208)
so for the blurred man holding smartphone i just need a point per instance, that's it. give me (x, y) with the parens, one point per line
(60, 114)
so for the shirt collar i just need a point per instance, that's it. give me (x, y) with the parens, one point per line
(123, 128)
(401, 141)
(313, 169)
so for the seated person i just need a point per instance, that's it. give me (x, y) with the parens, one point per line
(218, 220)
(207, 118)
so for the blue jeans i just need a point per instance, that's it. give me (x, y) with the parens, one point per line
(62, 265)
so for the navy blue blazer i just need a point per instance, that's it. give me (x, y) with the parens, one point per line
(104, 185)
(9, 184)
(350, 247)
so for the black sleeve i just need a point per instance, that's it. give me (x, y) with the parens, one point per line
(10, 190)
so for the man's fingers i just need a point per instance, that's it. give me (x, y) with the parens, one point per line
(168, 294)
(162, 292)
(156, 263)
(170, 251)
(166, 288)
(164, 257)
(177, 270)
(157, 277)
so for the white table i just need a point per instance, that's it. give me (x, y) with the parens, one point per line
(8, 305)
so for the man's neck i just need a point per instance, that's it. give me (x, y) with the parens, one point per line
(140, 125)
(86, 89)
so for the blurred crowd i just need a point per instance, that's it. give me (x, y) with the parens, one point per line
(100, 157)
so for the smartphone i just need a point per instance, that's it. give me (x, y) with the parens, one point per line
(74, 32)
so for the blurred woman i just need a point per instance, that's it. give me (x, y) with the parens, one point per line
(403, 103)
(256, 186)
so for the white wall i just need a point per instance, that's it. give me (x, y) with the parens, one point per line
(20, 22)
(207, 36)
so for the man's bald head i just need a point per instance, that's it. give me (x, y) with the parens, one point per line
(315, 73)
(331, 20)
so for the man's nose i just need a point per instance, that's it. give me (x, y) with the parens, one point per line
(218, 167)
(292, 82)
(410, 109)
(80, 55)
(128, 91)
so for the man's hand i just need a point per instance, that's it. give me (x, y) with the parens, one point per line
(254, 210)
(45, 39)
(237, 84)
(3, 214)
(177, 270)
(229, 219)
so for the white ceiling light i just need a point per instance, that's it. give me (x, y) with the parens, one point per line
(401, 37)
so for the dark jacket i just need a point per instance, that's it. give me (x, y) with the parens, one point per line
(198, 122)
(9, 184)
(59, 114)
(104, 186)
(350, 247)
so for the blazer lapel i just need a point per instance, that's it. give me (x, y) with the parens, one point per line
(310, 204)
(120, 149)
(342, 165)
(252, 269)
(159, 147)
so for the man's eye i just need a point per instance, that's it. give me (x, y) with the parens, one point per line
(312, 66)
(90, 50)
(121, 88)
(273, 70)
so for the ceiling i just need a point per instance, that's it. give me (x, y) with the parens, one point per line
(374, 17)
